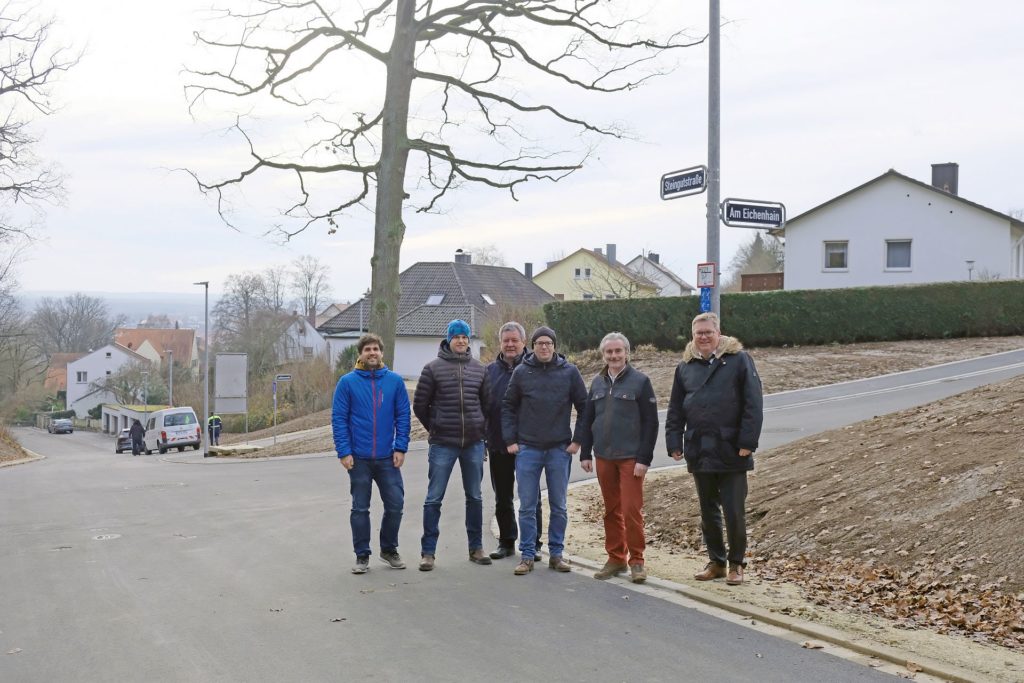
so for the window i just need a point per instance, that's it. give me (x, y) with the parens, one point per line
(836, 255)
(588, 296)
(581, 274)
(897, 254)
(108, 354)
(610, 296)
(108, 372)
(435, 299)
(81, 377)
(586, 273)
(307, 351)
(488, 299)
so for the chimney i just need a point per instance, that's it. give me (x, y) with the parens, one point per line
(528, 270)
(463, 256)
(654, 257)
(599, 251)
(946, 176)
(611, 254)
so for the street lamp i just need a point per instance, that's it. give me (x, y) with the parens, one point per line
(206, 366)
(170, 377)
(145, 395)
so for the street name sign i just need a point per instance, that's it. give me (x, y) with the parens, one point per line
(750, 213)
(684, 183)
(283, 378)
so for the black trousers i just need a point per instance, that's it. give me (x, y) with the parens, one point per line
(723, 493)
(503, 480)
(136, 446)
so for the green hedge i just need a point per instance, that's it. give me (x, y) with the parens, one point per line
(812, 316)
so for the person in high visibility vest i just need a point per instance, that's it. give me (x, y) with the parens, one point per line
(214, 426)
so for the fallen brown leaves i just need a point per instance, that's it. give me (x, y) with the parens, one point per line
(935, 595)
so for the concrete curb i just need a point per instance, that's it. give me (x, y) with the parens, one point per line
(32, 457)
(949, 672)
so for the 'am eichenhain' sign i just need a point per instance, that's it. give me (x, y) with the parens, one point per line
(747, 213)
(684, 183)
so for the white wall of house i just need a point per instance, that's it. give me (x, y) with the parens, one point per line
(300, 341)
(87, 371)
(412, 353)
(888, 218)
(666, 285)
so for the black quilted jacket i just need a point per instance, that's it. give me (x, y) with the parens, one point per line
(450, 398)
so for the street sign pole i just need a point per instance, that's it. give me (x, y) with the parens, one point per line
(273, 386)
(714, 140)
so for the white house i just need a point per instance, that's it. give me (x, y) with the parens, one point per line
(669, 284)
(299, 341)
(86, 376)
(895, 230)
(433, 294)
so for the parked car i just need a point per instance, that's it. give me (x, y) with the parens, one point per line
(172, 428)
(124, 442)
(61, 426)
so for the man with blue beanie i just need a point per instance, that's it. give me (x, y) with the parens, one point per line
(450, 400)
(370, 419)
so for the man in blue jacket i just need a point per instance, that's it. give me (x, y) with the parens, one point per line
(535, 423)
(370, 419)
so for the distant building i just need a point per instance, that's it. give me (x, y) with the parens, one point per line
(434, 294)
(299, 341)
(160, 345)
(86, 376)
(591, 274)
(669, 284)
(57, 371)
(895, 230)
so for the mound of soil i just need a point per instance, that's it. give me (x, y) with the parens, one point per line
(915, 516)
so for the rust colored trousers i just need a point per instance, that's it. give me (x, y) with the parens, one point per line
(623, 510)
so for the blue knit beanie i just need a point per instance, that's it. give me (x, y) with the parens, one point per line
(458, 327)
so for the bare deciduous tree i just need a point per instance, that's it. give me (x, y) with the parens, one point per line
(762, 254)
(465, 61)
(487, 255)
(30, 64)
(311, 285)
(74, 323)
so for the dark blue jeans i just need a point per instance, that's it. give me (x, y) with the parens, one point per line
(392, 494)
(554, 464)
(442, 461)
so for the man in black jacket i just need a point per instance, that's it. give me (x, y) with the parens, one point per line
(535, 423)
(512, 341)
(450, 400)
(137, 432)
(620, 426)
(714, 421)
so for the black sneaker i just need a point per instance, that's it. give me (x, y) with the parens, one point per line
(392, 559)
(362, 564)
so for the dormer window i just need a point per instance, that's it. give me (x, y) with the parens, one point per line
(488, 299)
(435, 299)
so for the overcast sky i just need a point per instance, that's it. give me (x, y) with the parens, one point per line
(817, 97)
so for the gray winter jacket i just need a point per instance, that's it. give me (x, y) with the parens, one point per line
(620, 421)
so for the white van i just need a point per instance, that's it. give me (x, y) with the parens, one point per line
(172, 428)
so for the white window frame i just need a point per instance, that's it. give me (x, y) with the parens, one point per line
(82, 376)
(898, 269)
(825, 268)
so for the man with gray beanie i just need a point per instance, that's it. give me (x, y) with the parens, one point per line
(450, 400)
(536, 415)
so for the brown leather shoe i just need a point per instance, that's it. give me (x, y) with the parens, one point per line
(637, 573)
(609, 570)
(558, 564)
(525, 566)
(426, 563)
(712, 570)
(478, 556)
(735, 577)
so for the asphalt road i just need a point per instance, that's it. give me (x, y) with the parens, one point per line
(117, 568)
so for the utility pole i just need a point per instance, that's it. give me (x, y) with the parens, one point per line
(714, 143)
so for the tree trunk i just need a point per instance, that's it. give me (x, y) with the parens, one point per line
(389, 229)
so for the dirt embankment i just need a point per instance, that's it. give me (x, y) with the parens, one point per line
(10, 450)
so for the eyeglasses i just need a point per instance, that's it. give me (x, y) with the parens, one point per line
(540, 343)
(704, 333)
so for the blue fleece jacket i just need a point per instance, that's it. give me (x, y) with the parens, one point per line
(370, 417)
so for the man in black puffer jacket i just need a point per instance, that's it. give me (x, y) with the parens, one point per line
(450, 400)
(714, 421)
(535, 420)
